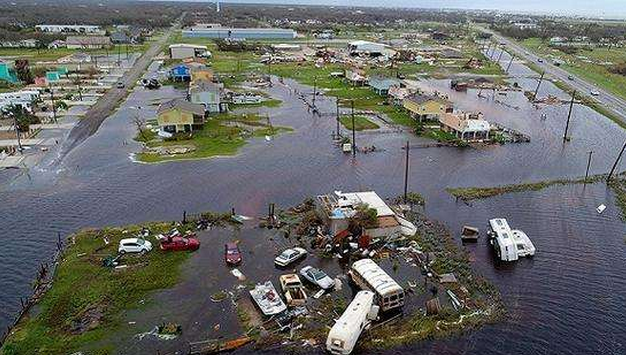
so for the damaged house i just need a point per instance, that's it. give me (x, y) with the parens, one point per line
(338, 208)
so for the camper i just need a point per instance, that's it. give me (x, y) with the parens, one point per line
(358, 316)
(509, 244)
(369, 276)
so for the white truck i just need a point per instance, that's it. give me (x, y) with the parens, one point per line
(293, 289)
(357, 317)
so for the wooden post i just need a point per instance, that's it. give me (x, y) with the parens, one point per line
(538, 85)
(616, 162)
(569, 115)
(588, 166)
(184, 216)
(406, 172)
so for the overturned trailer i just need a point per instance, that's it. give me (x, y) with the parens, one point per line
(358, 316)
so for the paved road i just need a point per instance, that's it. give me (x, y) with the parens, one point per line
(108, 103)
(612, 102)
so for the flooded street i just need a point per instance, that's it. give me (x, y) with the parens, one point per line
(569, 298)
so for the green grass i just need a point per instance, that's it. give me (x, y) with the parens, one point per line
(474, 193)
(361, 123)
(593, 72)
(44, 55)
(81, 283)
(266, 103)
(221, 135)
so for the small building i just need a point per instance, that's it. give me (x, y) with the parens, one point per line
(439, 36)
(425, 107)
(53, 76)
(370, 48)
(183, 51)
(7, 73)
(356, 77)
(178, 115)
(381, 85)
(337, 208)
(208, 94)
(180, 73)
(87, 42)
(129, 35)
(465, 126)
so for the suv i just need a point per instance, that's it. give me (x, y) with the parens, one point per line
(134, 245)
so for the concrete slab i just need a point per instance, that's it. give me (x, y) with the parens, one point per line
(12, 161)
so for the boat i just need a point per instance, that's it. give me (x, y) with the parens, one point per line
(509, 244)
(268, 300)
(469, 234)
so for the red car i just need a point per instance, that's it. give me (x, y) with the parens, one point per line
(180, 243)
(232, 254)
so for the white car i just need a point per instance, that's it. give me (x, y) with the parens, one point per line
(289, 256)
(317, 277)
(134, 245)
(595, 93)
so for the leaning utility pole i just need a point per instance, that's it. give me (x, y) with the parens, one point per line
(569, 115)
(406, 172)
(500, 56)
(54, 109)
(588, 166)
(353, 131)
(616, 162)
(538, 85)
(17, 133)
(510, 63)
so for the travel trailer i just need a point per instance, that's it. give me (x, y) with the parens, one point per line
(357, 317)
(509, 244)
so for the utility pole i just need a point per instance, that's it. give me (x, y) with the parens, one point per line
(353, 131)
(588, 166)
(500, 56)
(119, 55)
(569, 115)
(538, 85)
(510, 63)
(17, 133)
(337, 131)
(314, 91)
(54, 109)
(616, 162)
(406, 172)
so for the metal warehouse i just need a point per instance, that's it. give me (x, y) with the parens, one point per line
(240, 33)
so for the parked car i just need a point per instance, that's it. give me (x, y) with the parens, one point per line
(289, 256)
(540, 60)
(179, 243)
(570, 77)
(232, 254)
(595, 93)
(134, 245)
(317, 277)
(120, 85)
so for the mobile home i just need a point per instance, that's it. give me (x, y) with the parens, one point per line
(358, 316)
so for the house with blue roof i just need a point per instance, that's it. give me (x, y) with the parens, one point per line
(180, 73)
(7, 73)
(381, 85)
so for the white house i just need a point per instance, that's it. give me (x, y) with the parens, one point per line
(468, 127)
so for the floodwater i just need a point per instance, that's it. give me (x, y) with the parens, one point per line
(568, 299)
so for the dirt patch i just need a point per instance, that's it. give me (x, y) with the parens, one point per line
(89, 319)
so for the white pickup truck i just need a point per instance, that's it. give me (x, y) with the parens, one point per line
(293, 289)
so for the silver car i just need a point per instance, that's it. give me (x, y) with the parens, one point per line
(317, 277)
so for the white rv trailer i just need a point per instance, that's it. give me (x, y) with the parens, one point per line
(509, 244)
(369, 276)
(358, 316)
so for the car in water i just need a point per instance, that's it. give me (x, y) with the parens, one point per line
(134, 245)
(180, 243)
(232, 254)
(289, 256)
(317, 277)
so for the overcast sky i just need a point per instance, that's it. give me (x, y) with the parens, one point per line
(605, 8)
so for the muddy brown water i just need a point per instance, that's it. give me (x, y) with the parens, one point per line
(568, 299)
